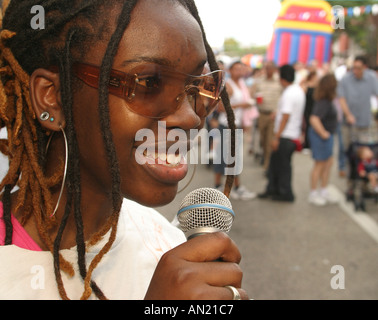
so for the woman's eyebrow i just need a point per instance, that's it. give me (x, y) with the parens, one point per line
(160, 61)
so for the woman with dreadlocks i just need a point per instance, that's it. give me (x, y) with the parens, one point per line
(72, 98)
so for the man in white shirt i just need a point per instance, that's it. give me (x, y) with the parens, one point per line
(287, 133)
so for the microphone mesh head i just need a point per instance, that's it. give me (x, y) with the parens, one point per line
(207, 211)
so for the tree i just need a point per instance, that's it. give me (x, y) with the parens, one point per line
(231, 45)
(363, 29)
(233, 48)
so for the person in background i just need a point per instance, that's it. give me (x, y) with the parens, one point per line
(342, 159)
(340, 71)
(240, 100)
(301, 72)
(287, 131)
(267, 92)
(309, 85)
(251, 113)
(374, 99)
(355, 91)
(323, 125)
(368, 167)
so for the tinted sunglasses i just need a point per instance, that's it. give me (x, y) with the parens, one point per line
(156, 91)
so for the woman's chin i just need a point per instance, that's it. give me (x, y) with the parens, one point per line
(155, 198)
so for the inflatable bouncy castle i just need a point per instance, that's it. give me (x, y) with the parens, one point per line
(302, 33)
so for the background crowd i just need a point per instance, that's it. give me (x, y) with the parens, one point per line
(314, 109)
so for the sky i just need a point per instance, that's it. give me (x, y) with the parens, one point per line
(248, 21)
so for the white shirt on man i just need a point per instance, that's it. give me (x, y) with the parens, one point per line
(292, 102)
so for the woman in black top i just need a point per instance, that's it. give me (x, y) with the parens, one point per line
(310, 85)
(323, 121)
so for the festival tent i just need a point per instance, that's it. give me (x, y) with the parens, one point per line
(302, 33)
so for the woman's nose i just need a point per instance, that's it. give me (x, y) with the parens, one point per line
(185, 117)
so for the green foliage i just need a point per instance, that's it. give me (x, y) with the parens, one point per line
(363, 29)
(233, 48)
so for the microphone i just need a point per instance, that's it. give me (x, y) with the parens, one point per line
(205, 210)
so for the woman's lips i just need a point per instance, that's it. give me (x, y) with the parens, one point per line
(164, 167)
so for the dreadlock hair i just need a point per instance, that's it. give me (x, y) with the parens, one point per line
(71, 26)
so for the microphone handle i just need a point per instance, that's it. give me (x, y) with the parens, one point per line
(190, 234)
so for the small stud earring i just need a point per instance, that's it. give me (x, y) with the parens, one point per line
(44, 116)
(52, 119)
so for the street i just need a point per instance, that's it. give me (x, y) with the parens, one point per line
(295, 250)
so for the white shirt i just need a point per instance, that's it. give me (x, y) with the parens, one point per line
(292, 102)
(125, 272)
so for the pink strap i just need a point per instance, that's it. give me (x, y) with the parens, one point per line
(20, 237)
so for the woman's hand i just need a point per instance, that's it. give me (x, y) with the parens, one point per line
(275, 144)
(326, 135)
(199, 269)
(351, 119)
(317, 124)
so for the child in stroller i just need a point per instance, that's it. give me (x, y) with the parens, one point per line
(363, 160)
(368, 166)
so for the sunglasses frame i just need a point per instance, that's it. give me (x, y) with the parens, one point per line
(124, 85)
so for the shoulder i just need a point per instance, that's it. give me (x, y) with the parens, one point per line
(347, 77)
(295, 89)
(346, 81)
(294, 92)
(370, 75)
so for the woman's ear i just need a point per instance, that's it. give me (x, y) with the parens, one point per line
(46, 99)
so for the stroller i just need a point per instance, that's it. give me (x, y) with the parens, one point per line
(358, 187)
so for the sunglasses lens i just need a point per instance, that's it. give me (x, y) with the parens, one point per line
(210, 87)
(156, 91)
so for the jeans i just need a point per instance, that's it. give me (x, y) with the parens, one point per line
(280, 169)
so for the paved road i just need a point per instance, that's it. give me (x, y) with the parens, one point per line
(289, 250)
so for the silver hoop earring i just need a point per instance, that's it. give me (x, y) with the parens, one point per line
(65, 168)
